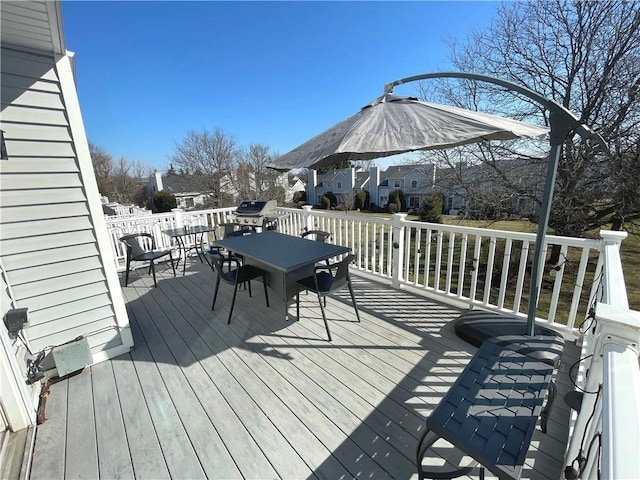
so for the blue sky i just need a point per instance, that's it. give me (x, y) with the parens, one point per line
(275, 73)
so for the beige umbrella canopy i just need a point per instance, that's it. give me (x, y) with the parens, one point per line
(391, 125)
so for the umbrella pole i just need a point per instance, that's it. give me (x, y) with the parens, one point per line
(537, 268)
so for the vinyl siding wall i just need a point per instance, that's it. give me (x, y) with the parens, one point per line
(49, 241)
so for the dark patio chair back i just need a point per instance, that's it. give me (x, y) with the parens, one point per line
(241, 274)
(132, 242)
(324, 282)
(137, 252)
(317, 235)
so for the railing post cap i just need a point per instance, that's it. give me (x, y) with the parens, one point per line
(307, 208)
(611, 236)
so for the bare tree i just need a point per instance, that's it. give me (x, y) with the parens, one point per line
(119, 181)
(102, 168)
(586, 56)
(210, 159)
(345, 202)
(254, 180)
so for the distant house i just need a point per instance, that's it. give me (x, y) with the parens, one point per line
(338, 182)
(294, 184)
(181, 186)
(55, 251)
(187, 197)
(416, 181)
(476, 187)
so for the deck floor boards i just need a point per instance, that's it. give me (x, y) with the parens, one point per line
(264, 397)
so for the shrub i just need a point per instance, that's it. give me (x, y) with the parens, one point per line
(362, 200)
(431, 210)
(397, 197)
(329, 200)
(299, 196)
(164, 201)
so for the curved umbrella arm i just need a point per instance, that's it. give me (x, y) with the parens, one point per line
(562, 121)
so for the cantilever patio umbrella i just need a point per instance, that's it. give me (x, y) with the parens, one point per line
(391, 125)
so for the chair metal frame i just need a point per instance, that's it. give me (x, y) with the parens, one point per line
(241, 274)
(338, 281)
(135, 252)
(317, 235)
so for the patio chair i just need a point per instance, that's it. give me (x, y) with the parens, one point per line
(324, 282)
(137, 253)
(241, 274)
(229, 231)
(317, 235)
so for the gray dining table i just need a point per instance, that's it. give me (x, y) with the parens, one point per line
(286, 258)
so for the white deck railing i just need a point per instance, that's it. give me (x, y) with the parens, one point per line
(463, 265)
(491, 269)
(605, 434)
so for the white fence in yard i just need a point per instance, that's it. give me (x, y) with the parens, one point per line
(582, 294)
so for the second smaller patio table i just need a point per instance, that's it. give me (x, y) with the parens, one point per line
(286, 258)
(180, 234)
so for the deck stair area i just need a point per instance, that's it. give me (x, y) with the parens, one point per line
(266, 398)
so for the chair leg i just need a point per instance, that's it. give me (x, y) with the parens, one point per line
(233, 301)
(298, 305)
(546, 411)
(324, 316)
(215, 292)
(173, 267)
(353, 299)
(153, 271)
(266, 294)
(126, 275)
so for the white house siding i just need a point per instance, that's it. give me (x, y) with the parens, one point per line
(52, 227)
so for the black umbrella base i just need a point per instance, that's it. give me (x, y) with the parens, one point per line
(476, 326)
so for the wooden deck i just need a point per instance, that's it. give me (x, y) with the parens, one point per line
(265, 398)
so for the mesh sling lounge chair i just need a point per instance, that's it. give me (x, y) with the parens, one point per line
(137, 253)
(324, 282)
(241, 274)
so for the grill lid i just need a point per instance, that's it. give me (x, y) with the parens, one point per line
(256, 207)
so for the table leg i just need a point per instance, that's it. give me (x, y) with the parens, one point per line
(182, 247)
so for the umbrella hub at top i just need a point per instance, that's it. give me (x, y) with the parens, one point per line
(388, 98)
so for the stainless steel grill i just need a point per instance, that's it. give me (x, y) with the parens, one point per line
(258, 213)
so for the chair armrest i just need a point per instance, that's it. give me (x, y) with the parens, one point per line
(328, 267)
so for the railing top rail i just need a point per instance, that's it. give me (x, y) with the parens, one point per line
(569, 241)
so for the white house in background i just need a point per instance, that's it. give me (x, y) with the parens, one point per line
(181, 187)
(55, 255)
(416, 181)
(338, 182)
(178, 185)
(293, 185)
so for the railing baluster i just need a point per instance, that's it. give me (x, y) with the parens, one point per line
(438, 271)
(522, 270)
(488, 278)
(463, 264)
(578, 287)
(504, 278)
(476, 267)
(452, 244)
(557, 284)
